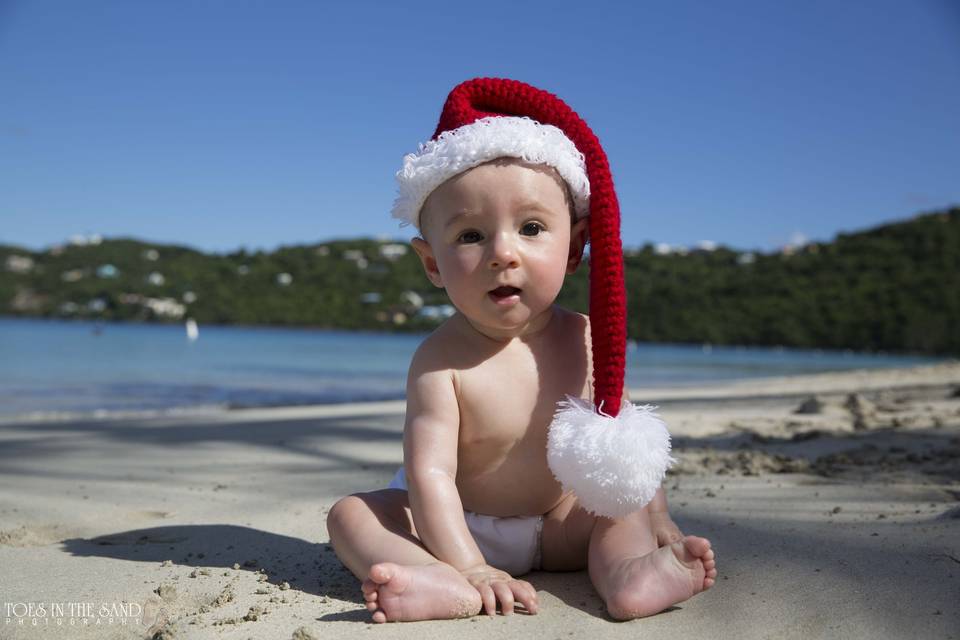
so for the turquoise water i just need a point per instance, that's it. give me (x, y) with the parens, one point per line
(80, 367)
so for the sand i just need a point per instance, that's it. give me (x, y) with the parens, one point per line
(832, 501)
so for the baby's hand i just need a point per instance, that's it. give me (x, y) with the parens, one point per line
(494, 584)
(664, 529)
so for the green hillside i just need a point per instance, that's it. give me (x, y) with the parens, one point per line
(894, 287)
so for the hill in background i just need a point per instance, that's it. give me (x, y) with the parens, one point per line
(895, 287)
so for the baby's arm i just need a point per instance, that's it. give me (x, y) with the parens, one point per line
(430, 460)
(430, 440)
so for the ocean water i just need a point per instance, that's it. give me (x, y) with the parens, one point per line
(82, 368)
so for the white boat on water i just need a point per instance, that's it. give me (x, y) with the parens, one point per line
(193, 332)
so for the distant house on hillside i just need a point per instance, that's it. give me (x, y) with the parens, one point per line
(19, 264)
(82, 241)
(73, 275)
(412, 298)
(355, 255)
(165, 307)
(437, 312)
(393, 251)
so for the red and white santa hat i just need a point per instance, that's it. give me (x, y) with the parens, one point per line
(612, 454)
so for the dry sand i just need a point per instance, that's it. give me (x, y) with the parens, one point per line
(833, 502)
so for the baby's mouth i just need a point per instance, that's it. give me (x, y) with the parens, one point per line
(504, 292)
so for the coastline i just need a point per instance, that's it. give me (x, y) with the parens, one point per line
(842, 520)
(852, 380)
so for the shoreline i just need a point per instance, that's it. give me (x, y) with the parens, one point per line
(850, 380)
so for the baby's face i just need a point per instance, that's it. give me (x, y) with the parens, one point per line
(504, 223)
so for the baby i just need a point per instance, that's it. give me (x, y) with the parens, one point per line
(476, 503)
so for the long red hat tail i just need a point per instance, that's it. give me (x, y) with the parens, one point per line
(483, 97)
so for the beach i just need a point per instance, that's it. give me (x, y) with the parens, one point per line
(832, 501)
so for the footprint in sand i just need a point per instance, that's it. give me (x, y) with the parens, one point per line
(34, 535)
(153, 515)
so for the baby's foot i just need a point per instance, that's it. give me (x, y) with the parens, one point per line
(671, 574)
(428, 592)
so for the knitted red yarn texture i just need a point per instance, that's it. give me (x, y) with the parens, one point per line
(483, 97)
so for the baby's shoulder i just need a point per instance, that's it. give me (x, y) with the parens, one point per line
(573, 325)
(439, 350)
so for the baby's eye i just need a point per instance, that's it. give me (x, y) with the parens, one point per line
(468, 236)
(533, 228)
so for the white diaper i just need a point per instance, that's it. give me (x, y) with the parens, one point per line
(511, 544)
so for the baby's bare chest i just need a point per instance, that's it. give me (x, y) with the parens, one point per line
(513, 395)
(506, 406)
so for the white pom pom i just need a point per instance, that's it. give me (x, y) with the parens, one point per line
(613, 464)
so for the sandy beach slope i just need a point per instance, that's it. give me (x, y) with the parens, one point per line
(833, 502)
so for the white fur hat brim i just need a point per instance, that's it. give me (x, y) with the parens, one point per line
(457, 150)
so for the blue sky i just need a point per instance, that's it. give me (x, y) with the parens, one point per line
(222, 125)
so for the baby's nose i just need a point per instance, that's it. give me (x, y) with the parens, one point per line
(502, 253)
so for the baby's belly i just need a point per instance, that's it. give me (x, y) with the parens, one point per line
(509, 489)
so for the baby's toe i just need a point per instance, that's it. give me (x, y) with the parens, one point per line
(697, 546)
(382, 572)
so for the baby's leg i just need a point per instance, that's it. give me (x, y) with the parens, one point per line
(634, 577)
(373, 535)
(566, 536)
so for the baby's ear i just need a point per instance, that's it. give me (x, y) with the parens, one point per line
(425, 252)
(579, 237)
